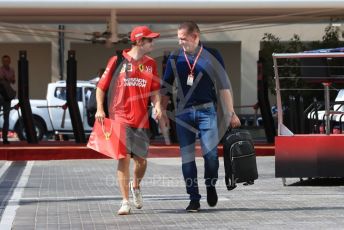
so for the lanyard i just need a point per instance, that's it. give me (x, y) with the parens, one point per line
(194, 64)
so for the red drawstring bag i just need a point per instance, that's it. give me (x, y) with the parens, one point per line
(108, 138)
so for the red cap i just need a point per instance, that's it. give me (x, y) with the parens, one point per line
(142, 32)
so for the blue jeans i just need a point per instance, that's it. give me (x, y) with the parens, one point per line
(201, 122)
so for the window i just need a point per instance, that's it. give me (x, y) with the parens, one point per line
(61, 93)
(88, 92)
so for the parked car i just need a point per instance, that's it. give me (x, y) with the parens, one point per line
(51, 116)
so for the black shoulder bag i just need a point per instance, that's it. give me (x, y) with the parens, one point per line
(92, 102)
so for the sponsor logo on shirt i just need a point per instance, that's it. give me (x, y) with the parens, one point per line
(129, 68)
(149, 69)
(132, 82)
(141, 67)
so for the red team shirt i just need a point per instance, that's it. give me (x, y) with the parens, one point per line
(132, 92)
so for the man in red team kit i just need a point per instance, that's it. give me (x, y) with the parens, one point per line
(136, 83)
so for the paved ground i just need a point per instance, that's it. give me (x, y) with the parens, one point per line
(83, 194)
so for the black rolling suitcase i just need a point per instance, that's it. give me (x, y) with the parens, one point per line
(239, 158)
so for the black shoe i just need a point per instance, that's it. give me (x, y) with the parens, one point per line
(193, 206)
(211, 196)
(5, 142)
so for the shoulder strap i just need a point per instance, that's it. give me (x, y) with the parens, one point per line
(117, 69)
(115, 74)
(118, 64)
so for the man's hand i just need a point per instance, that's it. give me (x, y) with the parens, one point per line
(100, 115)
(157, 112)
(164, 124)
(235, 121)
(164, 121)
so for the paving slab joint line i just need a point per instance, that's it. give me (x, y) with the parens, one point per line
(11, 208)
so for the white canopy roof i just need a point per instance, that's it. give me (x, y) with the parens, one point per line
(161, 11)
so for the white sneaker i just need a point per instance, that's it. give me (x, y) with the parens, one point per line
(137, 196)
(125, 208)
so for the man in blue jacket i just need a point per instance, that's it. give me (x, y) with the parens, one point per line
(203, 88)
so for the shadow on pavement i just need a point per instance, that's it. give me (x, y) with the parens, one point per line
(320, 182)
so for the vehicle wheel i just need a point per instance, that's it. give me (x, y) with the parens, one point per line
(20, 130)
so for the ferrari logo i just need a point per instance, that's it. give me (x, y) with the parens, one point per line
(107, 135)
(141, 67)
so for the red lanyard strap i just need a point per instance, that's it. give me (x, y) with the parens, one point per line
(194, 64)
